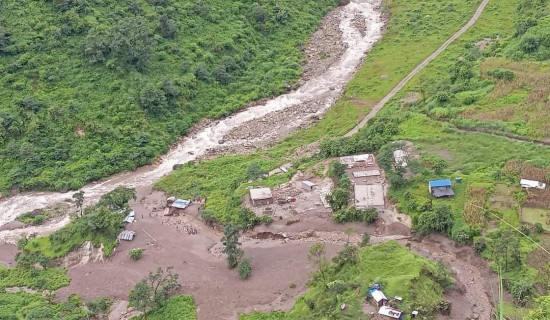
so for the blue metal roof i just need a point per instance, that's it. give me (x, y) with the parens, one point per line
(440, 183)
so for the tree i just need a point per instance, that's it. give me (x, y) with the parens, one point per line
(118, 198)
(337, 169)
(438, 220)
(365, 239)
(3, 38)
(152, 99)
(338, 199)
(254, 171)
(167, 26)
(506, 249)
(349, 231)
(538, 227)
(152, 292)
(244, 268)
(317, 256)
(131, 41)
(79, 200)
(232, 249)
(135, 253)
(97, 45)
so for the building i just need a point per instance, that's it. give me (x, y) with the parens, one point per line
(368, 195)
(532, 184)
(391, 312)
(261, 196)
(379, 297)
(308, 185)
(181, 204)
(441, 188)
(361, 160)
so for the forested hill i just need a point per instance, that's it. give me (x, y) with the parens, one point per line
(89, 88)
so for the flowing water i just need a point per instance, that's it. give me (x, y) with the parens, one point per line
(326, 88)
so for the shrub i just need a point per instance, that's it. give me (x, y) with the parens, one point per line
(525, 230)
(480, 244)
(506, 75)
(135, 253)
(352, 214)
(244, 268)
(521, 291)
(538, 228)
(365, 239)
(438, 220)
(99, 305)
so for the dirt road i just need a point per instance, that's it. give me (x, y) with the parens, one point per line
(421, 66)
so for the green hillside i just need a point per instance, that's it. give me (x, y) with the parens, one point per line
(89, 88)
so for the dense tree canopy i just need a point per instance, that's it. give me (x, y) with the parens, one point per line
(91, 88)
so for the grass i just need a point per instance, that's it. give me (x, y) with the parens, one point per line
(46, 279)
(534, 215)
(399, 271)
(179, 307)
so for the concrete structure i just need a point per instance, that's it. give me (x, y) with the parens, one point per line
(441, 188)
(532, 184)
(366, 173)
(308, 185)
(400, 158)
(261, 196)
(391, 312)
(361, 160)
(368, 195)
(130, 217)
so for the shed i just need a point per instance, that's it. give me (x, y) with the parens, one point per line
(130, 217)
(525, 183)
(391, 312)
(379, 297)
(181, 204)
(308, 185)
(261, 196)
(441, 188)
(127, 235)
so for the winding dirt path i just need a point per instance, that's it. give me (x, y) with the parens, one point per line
(418, 68)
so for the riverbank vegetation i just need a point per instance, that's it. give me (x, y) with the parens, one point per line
(94, 88)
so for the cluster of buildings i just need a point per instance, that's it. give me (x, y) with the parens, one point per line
(368, 188)
(385, 305)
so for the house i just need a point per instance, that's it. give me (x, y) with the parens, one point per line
(532, 184)
(379, 297)
(308, 185)
(361, 160)
(391, 312)
(368, 195)
(441, 188)
(261, 196)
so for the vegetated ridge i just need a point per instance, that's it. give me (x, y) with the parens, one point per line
(92, 88)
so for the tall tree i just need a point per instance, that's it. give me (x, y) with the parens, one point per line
(506, 249)
(79, 200)
(132, 42)
(232, 248)
(317, 256)
(152, 292)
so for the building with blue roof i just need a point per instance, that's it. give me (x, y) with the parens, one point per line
(441, 188)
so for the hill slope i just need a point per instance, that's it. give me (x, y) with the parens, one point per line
(95, 87)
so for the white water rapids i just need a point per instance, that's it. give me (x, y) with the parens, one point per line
(326, 87)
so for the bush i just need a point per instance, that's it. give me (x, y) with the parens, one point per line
(480, 244)
(538, 228)
(352, 214)
(365, 239)
(136, 253)
(506, 75)
(244, 268)
(99, 305)
(438, 220)
(521, 291)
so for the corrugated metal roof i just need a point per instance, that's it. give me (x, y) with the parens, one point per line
(181, 204)
(378, 295)
(440, 183)
(127, 235)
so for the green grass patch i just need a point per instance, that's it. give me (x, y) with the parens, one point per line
(534, 215)
(179, 307)
(50, 279)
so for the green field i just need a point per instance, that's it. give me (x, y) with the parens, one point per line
(534, 215)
